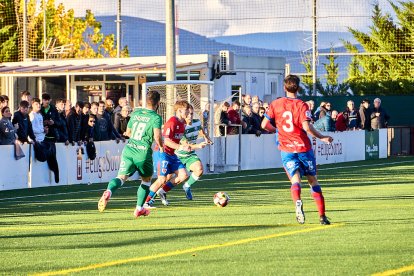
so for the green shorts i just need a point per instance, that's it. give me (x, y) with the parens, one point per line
(188, 160)
(133, 159)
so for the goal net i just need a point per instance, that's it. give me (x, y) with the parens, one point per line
(198, 94)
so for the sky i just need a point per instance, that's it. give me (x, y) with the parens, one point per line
(236, 17)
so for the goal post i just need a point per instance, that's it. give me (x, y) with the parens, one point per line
(197, 93)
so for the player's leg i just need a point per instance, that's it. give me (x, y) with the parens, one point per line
(176, 166)
(163, 164)
(181, 176)
(126, 168)
(169, 184)
(317, 195)
(196, 168)
(295, 191)
(309, 165)
(142, 194)
(291, 165)
(159, 182)
(145, 169)
(113, 185)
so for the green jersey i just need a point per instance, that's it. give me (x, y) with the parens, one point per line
(142, 124)
(191, 135)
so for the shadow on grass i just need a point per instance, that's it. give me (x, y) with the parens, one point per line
(158, 236)
(407, 221)
(382, 198)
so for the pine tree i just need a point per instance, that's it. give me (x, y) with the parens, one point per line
(333, 87)
(388, 73)
(307, 80)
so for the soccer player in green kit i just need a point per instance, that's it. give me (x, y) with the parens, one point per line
(143, 128)
(190, 159)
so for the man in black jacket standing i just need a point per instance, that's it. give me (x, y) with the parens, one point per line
(379, 117)
(50, 118)
(62, 125)
(105, 126)
(21, 117)
(365, 115)
(75, 123)
(256, 120)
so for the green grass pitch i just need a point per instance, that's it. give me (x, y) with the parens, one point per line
(58, 230)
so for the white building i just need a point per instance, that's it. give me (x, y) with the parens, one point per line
(97, 79)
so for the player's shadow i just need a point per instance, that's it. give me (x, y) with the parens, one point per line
(101, 237)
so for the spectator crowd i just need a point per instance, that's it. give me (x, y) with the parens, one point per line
(41, 123)
(325, 118)
(248, 115)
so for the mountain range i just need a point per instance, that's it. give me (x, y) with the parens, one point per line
(147, 38)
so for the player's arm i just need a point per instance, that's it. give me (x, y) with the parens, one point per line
(266, 125)
(171, 144)
(184, 143)
(127, 132)
(158, 139)
(308, 127)
(198, 146)
(205, 136)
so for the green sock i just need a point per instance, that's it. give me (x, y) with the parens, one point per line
(192, 179)
(114, 184)
(142, 193)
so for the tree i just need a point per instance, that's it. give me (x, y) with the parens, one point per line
(332, 86)
(8, 32)
(307, 80)
(384, 74)
(81, 36)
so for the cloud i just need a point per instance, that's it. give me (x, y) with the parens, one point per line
(235, 17)
(209, 18)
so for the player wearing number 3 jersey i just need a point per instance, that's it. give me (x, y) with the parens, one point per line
(292, 117)
(143, 128)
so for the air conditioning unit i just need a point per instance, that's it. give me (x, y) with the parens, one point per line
(226, 61)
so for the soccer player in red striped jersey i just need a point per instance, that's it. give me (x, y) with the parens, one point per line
(168, 162)
(293, 122)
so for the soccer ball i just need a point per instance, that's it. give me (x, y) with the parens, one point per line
(221, 199)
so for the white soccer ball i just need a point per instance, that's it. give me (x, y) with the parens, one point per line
(221, 199)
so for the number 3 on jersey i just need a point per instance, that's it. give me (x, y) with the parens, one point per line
(138, 130)
(288, 126)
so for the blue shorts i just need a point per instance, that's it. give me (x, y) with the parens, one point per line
(168, 164)
(305, 162)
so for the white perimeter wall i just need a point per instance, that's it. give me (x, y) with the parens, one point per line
(262, 153)
(256, 153)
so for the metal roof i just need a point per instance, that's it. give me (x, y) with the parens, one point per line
(105, 68)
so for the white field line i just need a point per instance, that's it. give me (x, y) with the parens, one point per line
(213, 179)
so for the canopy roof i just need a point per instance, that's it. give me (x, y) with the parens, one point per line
(95, 66)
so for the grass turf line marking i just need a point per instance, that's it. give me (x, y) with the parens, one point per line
(210, 179)
(395, 271)
(164, 226)
(184, 251)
